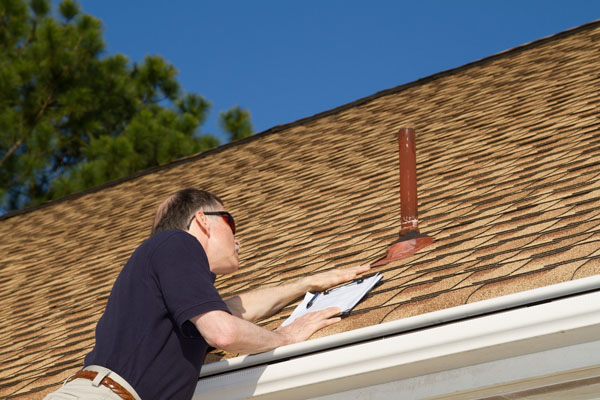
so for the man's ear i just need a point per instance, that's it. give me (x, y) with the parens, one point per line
(202, 221)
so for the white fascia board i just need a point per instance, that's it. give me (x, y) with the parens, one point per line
(537, 328)
(505, 378)
(493, 337)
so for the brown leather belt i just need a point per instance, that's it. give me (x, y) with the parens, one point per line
(108, 382)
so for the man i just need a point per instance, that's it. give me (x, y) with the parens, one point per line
(164, 311)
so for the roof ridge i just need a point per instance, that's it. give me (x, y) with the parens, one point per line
(278, 128)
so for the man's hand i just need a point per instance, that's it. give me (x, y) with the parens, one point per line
(326, 280)
(235, 335)
(302, 328)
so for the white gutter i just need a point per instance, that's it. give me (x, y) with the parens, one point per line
(556, 324)
(470, 310)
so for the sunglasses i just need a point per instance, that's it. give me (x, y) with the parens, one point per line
(226, 216)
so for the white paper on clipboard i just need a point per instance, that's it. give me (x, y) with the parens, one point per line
(345, 297)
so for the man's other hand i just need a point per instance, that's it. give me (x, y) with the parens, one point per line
(302, 328)
(334, 277)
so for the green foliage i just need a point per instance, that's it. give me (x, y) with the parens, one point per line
(68, 9)
(71, 119)
(236, 122)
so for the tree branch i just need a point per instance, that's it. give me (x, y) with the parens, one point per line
(30, 35)
(20, 142)
(12, 150)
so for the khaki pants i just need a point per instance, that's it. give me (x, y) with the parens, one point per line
(91, 390)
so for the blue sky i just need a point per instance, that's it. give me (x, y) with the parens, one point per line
(286, 60)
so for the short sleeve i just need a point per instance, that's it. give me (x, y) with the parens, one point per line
(184, 278)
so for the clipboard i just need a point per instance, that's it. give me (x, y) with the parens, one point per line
(346, 297)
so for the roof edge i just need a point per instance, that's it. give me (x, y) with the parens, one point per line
(455, 314)
(314, 117)
(514, 333)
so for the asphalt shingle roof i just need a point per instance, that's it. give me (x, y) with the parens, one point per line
(508, 156)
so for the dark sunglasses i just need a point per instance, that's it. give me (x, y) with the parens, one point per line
(228, 218)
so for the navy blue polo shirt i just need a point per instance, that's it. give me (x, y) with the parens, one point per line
(144, 334)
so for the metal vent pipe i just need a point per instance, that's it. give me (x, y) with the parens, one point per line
(410, 240)
(408, 181)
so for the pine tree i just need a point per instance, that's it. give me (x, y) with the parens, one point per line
(236, 122)
(72, 118)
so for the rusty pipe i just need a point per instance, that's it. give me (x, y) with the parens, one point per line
(408, 181)
(410, 239)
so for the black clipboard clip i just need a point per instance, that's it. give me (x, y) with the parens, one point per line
(312, 301)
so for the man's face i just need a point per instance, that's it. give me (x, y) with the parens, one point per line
(223, 248)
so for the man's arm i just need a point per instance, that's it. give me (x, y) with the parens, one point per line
(227, 332)
(262, 303)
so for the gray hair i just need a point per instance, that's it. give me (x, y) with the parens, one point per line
(176, 211)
